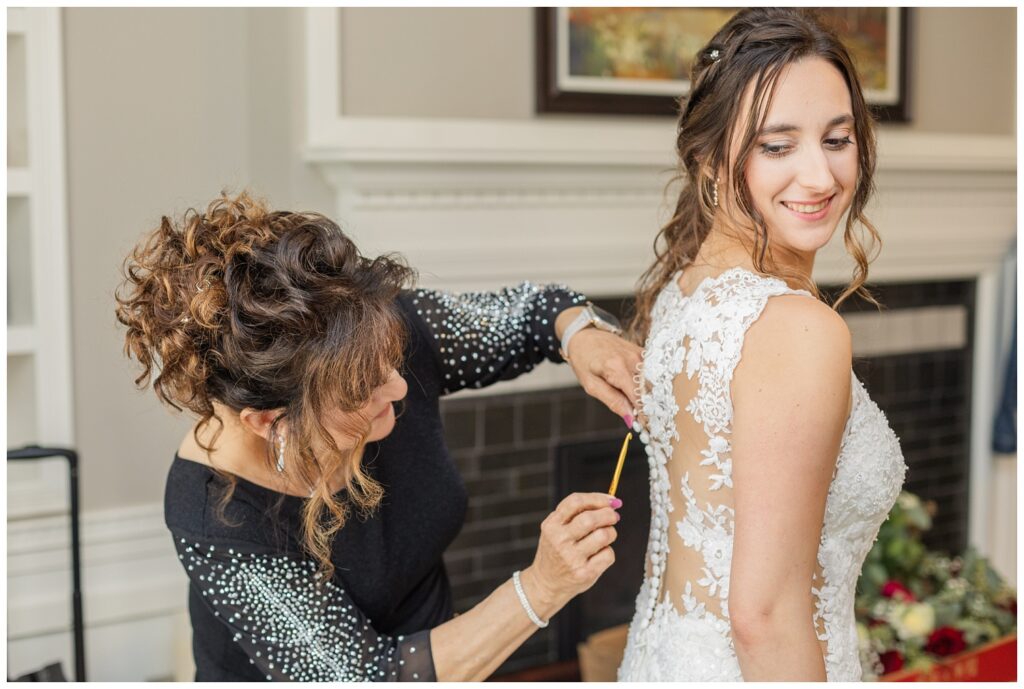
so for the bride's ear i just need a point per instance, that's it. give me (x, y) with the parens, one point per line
(259, 421)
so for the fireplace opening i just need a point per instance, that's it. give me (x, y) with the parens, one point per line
(588, 467)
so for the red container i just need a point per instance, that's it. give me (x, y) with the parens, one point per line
(993, 662)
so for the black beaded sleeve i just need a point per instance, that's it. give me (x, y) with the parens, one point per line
(480, 338)
(292, 624)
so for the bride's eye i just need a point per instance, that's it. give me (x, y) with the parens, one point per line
(775, 150)
(838, 144)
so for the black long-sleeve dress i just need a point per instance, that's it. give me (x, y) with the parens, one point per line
(257, 607)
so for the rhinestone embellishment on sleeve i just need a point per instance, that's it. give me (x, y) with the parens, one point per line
(482, 337)
(293, 624)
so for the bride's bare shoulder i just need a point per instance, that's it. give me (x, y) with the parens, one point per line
(796, 336)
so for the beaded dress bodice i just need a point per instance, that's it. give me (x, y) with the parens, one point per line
(681, 629)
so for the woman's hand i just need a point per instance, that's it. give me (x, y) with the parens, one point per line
(605, 365)
(574, 549)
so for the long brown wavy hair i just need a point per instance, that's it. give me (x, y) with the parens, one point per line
(269, 310)
(752, 48)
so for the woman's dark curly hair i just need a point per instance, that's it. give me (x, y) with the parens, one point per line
(752, 48)
(262, 309)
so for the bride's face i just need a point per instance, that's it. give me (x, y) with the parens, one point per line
(802, 171)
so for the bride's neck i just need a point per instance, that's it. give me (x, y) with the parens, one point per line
(723, 249)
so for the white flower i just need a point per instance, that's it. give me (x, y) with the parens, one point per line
(908, 501)
(914, 620)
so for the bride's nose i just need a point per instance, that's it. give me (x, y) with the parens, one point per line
(815, 172)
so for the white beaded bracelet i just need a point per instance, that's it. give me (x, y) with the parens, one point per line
(525, 603)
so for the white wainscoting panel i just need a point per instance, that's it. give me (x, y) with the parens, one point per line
(133, 590)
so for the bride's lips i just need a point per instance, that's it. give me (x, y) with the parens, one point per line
(817, 215)
(383, 412)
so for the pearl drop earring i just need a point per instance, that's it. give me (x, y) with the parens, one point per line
(714, 192)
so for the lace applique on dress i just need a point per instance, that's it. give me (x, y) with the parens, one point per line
(691, 354)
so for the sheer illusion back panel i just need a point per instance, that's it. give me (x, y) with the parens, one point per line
(698, 555)
(700, 474)
(681, 627)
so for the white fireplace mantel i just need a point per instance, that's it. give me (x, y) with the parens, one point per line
(474, 204)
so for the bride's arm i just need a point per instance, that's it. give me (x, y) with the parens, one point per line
(791, 395)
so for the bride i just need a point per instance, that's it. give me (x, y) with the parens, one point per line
(771, 468)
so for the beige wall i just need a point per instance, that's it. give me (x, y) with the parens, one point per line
(480, 63)
(165, 107)
(964, 69)
(437, 62)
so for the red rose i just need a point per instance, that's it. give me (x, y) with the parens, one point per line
(945, 641)
(894, 589)
(891, 661)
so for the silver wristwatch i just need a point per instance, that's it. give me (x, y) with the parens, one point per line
(590, 316)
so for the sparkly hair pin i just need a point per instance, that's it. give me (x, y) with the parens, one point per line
(714, 54)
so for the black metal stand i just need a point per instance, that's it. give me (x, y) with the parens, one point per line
(34, 452)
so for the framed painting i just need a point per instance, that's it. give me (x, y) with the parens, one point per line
(636, 61)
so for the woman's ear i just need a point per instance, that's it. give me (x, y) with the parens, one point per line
(259, 421)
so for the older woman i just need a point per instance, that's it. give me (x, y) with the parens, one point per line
(311, 517)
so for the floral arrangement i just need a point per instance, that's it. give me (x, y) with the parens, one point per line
(915, 606)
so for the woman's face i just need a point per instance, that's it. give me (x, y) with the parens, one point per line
(802, 171)
(380, 410)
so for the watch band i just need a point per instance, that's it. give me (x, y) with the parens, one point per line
(585, 318)
(590, 316)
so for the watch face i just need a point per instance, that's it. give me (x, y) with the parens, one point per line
(605, 318)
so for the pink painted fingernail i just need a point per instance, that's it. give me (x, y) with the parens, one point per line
(615, 503)
(628, 418)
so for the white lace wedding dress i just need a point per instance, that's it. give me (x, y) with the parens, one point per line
(680, 630)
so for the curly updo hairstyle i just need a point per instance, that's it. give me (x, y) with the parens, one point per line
(262, 309)
(753, 47)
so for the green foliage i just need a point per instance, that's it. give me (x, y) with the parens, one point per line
(964, 592)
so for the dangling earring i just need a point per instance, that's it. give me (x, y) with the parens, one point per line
(280, 442)
(714, 192)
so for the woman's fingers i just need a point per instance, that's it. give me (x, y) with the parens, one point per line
(611, 397)
(576, 503)
(577, 532)
(603, 360)
(601, 561)
(618, 372)
(596, 541)
(585, 523)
